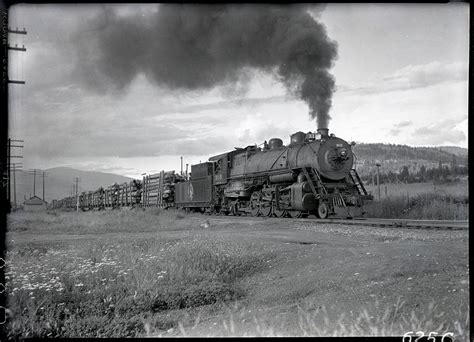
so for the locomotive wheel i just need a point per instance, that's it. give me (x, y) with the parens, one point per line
(323, 210)
(255, 203)
(265, 208)
(234, 209)
(279, 212)
(295, 213)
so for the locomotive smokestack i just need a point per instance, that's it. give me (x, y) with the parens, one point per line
(324, 132)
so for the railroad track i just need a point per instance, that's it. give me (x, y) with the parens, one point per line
(401, 223)
(372, 222)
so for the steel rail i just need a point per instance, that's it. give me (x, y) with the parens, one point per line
(372, 222)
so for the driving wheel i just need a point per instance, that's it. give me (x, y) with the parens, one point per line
(279, 212)
(295, 213)
(255, 203)
(265, 208)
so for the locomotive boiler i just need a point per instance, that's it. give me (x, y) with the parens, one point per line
(313, 174)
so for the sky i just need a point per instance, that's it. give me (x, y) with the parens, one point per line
(401, 77)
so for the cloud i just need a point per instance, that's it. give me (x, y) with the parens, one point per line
(97, 167)
(413, 77)
(397, 128)
(440, 133)
(219, 105)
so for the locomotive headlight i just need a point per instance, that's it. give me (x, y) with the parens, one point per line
(343, 153)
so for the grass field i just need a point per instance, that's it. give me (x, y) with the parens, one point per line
(115, 287)
(449, 201)
(455, 189)
(167, 278)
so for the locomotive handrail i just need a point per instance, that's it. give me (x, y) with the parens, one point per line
(313, 189)
(316, 173)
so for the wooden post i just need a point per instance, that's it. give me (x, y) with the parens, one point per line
(160, 189)
(126, 194)
(143, 192)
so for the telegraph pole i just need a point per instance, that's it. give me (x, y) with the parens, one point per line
(16, 48)
(378, 179)
(15, 167)
(11, 143)
(6, 47)
(33, 172)
(44, 175)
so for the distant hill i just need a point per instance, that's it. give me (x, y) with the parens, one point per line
(394, 157)
(59, 182)
(459, 151)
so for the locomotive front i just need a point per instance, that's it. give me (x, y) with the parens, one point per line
(332, 157)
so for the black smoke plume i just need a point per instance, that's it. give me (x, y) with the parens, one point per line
(198, 47)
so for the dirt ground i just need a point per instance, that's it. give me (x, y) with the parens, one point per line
(343, 268)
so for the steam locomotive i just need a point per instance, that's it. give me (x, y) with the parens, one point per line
(312, 175)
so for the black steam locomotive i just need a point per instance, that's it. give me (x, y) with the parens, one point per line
(312, 175)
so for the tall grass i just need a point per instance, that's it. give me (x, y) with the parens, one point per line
(434, 206)
(311, 319)
(455, 189)
(97, 222)
(117, 290)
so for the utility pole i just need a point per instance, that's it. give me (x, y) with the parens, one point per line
(16, 48)
(15, 167)
(181, 165)
(44, 175)
(5, 167)
(33, 172)
(11, 143)
(378, 179)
